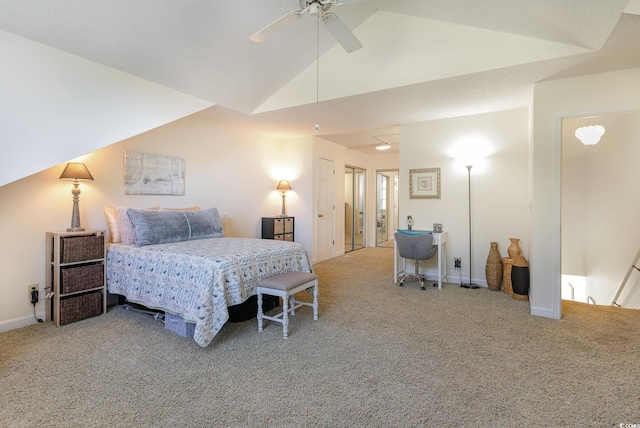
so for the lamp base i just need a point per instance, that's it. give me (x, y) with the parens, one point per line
(471, 286)
(284, 211)
(75, 229)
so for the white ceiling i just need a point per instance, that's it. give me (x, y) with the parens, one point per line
(421, 60)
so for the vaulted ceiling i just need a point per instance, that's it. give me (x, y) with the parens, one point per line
(421, 59)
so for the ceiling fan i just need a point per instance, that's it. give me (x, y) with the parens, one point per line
(319, 8)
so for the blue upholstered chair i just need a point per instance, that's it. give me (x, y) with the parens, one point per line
(415, 246)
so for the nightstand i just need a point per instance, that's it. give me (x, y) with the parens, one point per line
(75, 273)
(278, 228)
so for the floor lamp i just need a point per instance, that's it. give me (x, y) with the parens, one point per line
(470, 284)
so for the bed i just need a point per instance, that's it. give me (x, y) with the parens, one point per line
(181, 262)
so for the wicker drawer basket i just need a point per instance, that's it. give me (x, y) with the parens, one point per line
(79, 248)
(80, 306)
(81, 277)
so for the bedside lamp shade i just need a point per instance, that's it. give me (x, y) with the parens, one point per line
(76, 172)
(283, 186)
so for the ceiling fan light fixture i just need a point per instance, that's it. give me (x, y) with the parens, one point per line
(318, 8)
(314, 8)
(590, 135)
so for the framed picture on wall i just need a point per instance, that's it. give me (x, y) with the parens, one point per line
(152, 174)
(424, 183)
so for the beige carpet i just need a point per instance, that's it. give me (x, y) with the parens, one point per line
(379, 356)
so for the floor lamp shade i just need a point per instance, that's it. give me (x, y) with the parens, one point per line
(283, 186)
(76, 172)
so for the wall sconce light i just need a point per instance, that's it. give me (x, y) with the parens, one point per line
(590, 135)
(76, 172)
(283, 186)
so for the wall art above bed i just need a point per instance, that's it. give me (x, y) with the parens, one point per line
(152, 174)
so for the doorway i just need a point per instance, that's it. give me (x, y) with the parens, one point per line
(386, 207)
(325, 194)
(600, 206)
(354, 208)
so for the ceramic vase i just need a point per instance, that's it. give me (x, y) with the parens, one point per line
(514, 247)
(493, 269)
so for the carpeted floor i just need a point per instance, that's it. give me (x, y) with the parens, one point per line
(379, 356)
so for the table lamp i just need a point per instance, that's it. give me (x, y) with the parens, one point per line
(76, 172)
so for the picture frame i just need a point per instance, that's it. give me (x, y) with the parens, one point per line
(424, 183)
(152, 174)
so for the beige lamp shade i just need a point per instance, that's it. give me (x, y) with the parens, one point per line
(76, 171)
(283, 186)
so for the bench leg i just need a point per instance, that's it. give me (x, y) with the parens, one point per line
(285, 318)
(260, 313)
(292, 304)
(315, 301)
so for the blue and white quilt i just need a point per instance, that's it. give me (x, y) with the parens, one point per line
(198, 279)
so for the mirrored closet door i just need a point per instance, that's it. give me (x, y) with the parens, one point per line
(354, 208)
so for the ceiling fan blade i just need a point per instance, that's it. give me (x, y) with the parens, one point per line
(341, 33)
(276, 26)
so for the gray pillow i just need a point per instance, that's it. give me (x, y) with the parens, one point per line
(159, 227)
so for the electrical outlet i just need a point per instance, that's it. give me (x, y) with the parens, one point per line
(457, 262)
(32, 287)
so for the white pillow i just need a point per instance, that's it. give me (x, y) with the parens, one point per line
(127, 234)
(111, 214)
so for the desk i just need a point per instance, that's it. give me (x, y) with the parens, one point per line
(439, 239)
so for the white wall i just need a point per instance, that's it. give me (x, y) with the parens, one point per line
(500, 200)
(554, 100)
(226, 168)
(575, 208)
(297, 164)
(55, 106)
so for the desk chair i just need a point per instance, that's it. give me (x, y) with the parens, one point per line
(417, 247)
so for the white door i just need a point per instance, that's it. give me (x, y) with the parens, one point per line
(326, 209)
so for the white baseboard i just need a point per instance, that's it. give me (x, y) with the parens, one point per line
(542, 312)
(433, 275)
(20, 322)
(456, 280)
